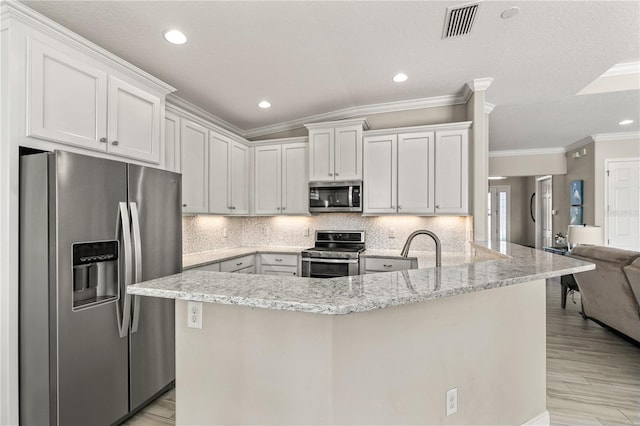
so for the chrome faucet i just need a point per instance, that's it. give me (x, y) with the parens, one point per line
(405, 249)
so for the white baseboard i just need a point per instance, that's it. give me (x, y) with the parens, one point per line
(542, 419)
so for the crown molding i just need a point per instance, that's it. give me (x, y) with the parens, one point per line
(615, 136)
(18, 11)
(176, 101)
(346, 113)
(523, 152)
(623, 69)
(353, 121)
(283, 141)
(579, 144)
(462, 125)
(478, 84)
(488, 108)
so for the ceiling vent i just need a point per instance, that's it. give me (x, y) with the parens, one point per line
(459, 20)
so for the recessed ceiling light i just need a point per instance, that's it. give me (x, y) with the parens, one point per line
(625, 122)
(175, 37)
(510, 13)
(400, 77)
(265, 104)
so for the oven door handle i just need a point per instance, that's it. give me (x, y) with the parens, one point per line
(321, 260)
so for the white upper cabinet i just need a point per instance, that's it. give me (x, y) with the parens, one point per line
(172, 155)
(379, 185)
(335, 150)
(74, 102)
(420, 170)
(67, 99)
(239, 190)
(416, 163)
(452, 172)
(281, 185)
(228, 176)
(195, 166)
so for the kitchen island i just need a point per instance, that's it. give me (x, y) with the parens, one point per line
(280, 350)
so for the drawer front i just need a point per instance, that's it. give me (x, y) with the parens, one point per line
(287, 271)
(233, 265)
(279, 259)
(248, 270)
(375, 264)
(215, 267)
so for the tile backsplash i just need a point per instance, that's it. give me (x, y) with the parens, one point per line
(202, 233)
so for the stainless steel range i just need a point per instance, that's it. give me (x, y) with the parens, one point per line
(336, 254)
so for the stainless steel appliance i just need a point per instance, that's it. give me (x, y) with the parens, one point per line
(335, 254)
(90, 354)
(327, 197)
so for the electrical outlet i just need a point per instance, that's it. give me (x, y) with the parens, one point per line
(392, 233)
(194, 315)
(305, 231)
(452, 401)
(225, 234)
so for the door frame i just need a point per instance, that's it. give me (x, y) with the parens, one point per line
(539, 213)
(607, 161)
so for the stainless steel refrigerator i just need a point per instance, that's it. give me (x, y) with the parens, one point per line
(90, 354)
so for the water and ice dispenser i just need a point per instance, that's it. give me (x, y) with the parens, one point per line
(95, 273)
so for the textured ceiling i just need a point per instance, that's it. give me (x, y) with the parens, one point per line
(309, 58)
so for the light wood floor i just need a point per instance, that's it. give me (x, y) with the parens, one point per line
(593, 376)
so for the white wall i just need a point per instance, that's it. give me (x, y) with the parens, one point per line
(527, 165)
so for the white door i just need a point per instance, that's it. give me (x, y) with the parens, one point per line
(348, 153)
(416, 173)
(499, 207)
(67, 99)
(452, 172)
(219, 174)
(622, 213)
(544, 203)
(239, 178)
(268, 180)
(134, 122)
(321, 155)
(295, 183)
(379, 185)
(195, 150)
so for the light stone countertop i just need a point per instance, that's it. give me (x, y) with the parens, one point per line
(427, 259)
(360, 293)
(194, 260)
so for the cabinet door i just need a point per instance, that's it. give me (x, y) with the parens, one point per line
(295, 184)
(239, 178)
(195, 150)
(321, 155)
(67, 99)
(348, 153)
(220, 174)
(416, 173)
(380, 174)
(134, 122)
(452, 172)
(172, 142)
(268, 180)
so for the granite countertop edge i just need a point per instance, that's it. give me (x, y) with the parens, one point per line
(361, 293)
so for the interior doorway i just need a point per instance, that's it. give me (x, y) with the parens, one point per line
(622, 204)
(544, 203)
(499, 213)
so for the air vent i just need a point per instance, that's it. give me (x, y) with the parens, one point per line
(459, 20)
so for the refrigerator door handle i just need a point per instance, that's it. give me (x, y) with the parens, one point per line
(124, 312)
(137, 252)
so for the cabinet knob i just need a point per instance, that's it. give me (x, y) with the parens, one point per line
(114, 143)
(238, 264)
(184, 205)
(284, 208)
(233, 207)
(387, 266)
(393, 207)
(399, 207)
(103, 140)
(437, 206)
(330, 174)
(337, 174)
(278, 260)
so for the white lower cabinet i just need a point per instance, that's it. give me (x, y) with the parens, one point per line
(76, 102)
(213, 267)
(195, 167)
(238, 264)
(281, 184)
(372, 265)
(279, 264)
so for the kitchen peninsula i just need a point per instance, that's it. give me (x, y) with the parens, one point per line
(280, 350)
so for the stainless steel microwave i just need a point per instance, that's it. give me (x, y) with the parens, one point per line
(328, 197)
